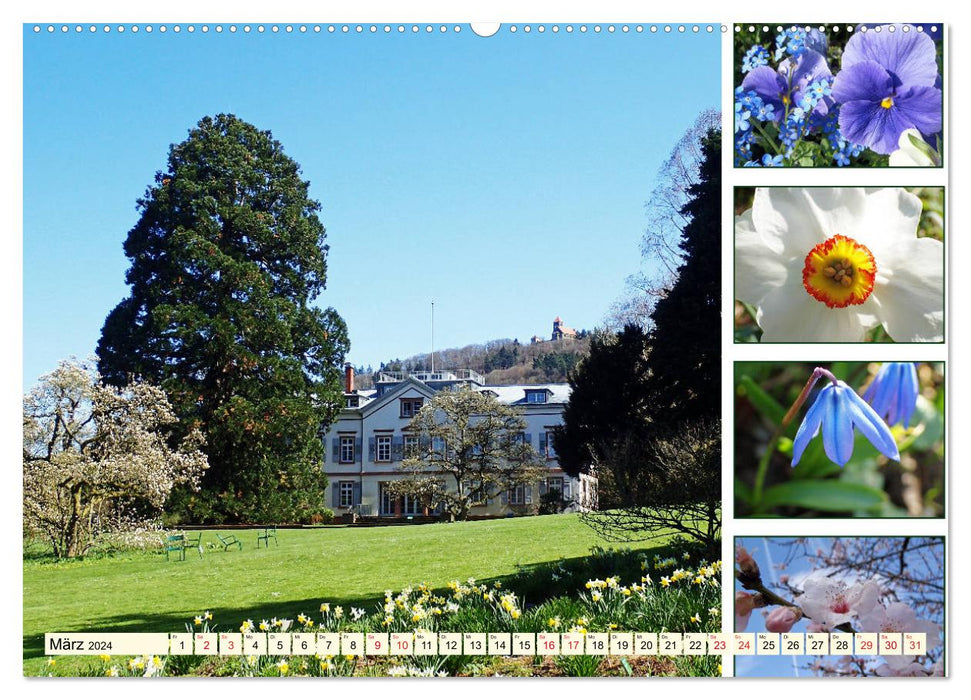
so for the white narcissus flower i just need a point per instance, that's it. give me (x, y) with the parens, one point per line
(899, 617)
(830, 602)
(830, 263)
(913, 151)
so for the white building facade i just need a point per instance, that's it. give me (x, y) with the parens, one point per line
(369, 439)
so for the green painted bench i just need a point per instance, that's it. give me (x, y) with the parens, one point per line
(180, 543)
(228, 541)
(267, 534)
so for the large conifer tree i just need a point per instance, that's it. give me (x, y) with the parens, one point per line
(227, 259)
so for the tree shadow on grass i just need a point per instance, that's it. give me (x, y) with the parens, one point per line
(534, 584)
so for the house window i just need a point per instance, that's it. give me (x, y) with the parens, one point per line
(382, 448)
(521, 495)
(410, 446)
(537, 396)
(475, 492)
(346, 493)
(550, 449)
(347, 449)
(411, 407)
(555, 483)
(399, 505)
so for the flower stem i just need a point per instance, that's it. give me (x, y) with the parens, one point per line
(763, 467)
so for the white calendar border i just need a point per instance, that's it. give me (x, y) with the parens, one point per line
(439, 10)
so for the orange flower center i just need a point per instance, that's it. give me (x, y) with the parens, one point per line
(839, 272)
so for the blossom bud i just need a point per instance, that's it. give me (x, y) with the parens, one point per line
(746, 565)
(782, 619)
(744, 604)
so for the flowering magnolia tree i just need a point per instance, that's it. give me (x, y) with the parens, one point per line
(859, 584)
(839, 265)
(469, 451)
(98, 458)
(849, 438)
(867, 96)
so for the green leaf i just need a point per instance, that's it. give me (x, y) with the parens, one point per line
(763, 402)
(743, 492)
(828, 495)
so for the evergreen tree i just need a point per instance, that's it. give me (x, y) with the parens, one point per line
(227, 259)
(685, 340)
(607, 400)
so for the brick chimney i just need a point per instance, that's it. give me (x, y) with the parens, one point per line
(349, 378)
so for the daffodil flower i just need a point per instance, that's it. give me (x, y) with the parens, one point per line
(828, 264)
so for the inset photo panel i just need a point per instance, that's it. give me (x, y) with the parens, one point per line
(839, 264)
(839, 439)
(839, 606)
(833, 96)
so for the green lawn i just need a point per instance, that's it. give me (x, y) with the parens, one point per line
(144, 592)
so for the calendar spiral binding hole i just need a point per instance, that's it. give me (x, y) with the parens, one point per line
(836, 28)
(416, 29)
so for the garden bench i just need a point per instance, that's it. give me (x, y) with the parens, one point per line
(228, 541)
(192, 543)
(175, 543)
(268, 533)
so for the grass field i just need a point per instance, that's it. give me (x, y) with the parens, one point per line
(346, 566)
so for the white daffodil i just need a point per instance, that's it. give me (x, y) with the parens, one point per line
(914, 151)
(830, 602)
(828, 264)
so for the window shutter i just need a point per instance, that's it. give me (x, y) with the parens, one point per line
(370, 449)
(357, 494)
(528, 438)
(566, 488)
(505, 497)
(543, 488)
(335, 492)
(336, 442)
(397, 448)
(542, 444)
(528, 490)
(358, 453)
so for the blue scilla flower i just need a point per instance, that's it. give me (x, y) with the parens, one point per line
(841, 159)
(772, 161)
(893, 392)
(838, 411)
(755, 57)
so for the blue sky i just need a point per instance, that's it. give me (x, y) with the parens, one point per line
(505, 178)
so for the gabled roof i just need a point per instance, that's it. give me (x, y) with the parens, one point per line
(397, 392)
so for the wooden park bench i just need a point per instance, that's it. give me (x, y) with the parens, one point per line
(228, 541)
(267, 534)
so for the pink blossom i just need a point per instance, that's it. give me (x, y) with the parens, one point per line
(744, 604)
(782, 619)
(899, 617)
(832, 602)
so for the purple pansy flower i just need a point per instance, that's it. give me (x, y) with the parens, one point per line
(887, 85)
(784, 89)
